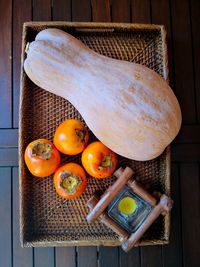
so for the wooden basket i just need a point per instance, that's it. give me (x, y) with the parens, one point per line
(45, 218)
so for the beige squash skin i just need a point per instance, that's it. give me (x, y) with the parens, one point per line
(129, 107)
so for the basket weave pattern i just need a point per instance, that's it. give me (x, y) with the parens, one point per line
(46, 217)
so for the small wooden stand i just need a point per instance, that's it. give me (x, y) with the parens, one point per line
(98, 207)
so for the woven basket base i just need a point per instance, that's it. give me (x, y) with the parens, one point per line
(45, 217)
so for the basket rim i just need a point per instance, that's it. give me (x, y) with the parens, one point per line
(105, 25)
(110, 243)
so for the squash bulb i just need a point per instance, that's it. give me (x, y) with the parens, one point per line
(129, 107)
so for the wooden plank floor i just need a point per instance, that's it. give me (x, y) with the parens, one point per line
(182, 21)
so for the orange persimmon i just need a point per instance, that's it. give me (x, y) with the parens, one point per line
(71, 137)
(42, 158)
(98, 160)
(70, 181)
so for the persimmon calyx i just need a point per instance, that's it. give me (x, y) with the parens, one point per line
(41, 150)
(106, 162)
(70, 182)
(81, 134)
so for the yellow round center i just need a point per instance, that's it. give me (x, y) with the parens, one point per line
(127, 205)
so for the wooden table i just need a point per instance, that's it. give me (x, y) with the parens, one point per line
(182, 21)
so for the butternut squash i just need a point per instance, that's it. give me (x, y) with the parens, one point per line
(129, 107)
